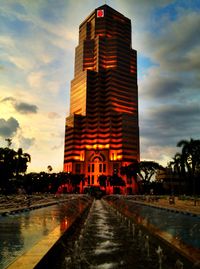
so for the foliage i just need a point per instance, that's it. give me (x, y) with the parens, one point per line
(102, 180)
(148, 169)
(115, 180)
(130, 170)
(188, 163)
(190, 155)
(13, 165)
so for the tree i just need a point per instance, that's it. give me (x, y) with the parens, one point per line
(9, 141)
(191, 160)
(75, 180)
(49, 168)
(147, 170)
(7, 167)
(178, 165)
(12, 164)
(116, 180)
(130, 170)
(21, 160)
(102, 180)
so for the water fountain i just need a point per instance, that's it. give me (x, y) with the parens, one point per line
(178, 264)
(111, 237)
(146, 245)
(164, 254)
(159, 252)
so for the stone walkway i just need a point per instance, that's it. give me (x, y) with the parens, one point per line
(186, 206)
(17, 203)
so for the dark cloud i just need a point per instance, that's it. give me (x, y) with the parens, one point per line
(21, 107)
(9, 127)
(160, 87)
(168, 124)
(175, 48)
(25, 108)
(9, 98)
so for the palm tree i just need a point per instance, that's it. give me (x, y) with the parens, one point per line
(178, 165)
(7, 167)
(21, 160)
(191, 158)
(9, 141)
(49, 168)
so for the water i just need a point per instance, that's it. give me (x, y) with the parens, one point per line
(183, 227)
(180, 230)
(21, 231)
(107, 241)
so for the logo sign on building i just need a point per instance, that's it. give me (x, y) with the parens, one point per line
(100, 13)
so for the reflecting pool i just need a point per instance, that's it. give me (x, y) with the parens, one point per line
(20, 231)
(182, 231)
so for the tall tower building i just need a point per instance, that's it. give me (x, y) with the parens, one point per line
(102, 132)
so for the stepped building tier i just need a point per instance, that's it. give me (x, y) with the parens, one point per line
(102, 132)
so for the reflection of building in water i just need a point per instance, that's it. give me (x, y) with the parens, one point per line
(102, 132)
(11, 239)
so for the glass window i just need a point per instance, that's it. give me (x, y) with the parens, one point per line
(88, 168)
(104, 167)
(93, 168)
(100, 167)
(92, 179)
(78, 168)
(88, 180)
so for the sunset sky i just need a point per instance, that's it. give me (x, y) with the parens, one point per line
(37, 45)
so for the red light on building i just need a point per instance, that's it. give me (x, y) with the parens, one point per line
(100, 13)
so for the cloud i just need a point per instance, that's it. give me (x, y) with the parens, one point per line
(21, 62)
(21, 107)
(26, 143)
(53, 115)
(35, 79)
(167, 124)
(169, 92)
(9, 127)
(161, 86)
(8, 99)
(25, 108)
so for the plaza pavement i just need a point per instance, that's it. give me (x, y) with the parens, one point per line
(185, 206)
(18, 202)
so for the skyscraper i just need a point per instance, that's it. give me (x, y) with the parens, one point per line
(102, 132)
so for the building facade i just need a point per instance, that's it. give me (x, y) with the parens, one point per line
(102, 132)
